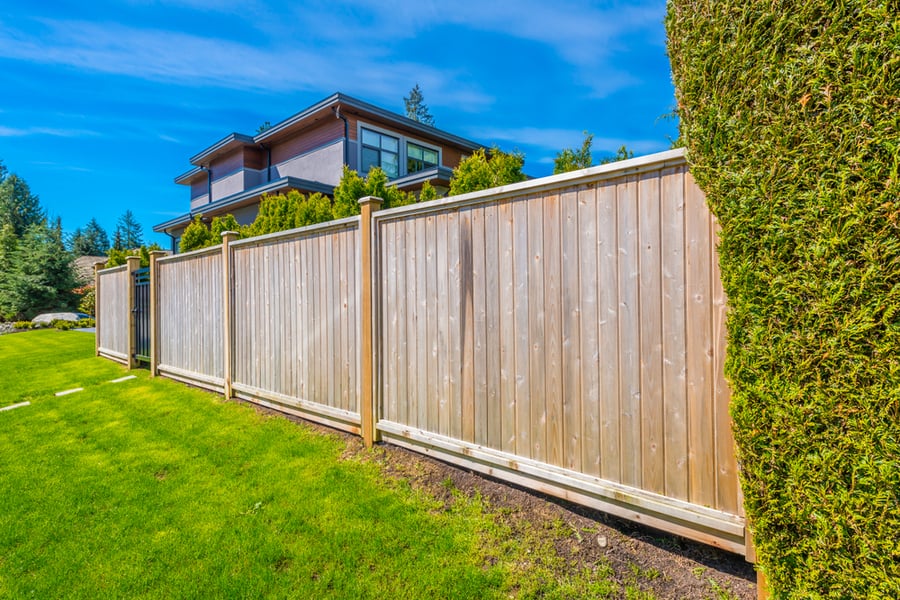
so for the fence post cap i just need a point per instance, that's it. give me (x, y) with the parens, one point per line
(370, 199)
(131, 259)
(230, 236)
(158, 253)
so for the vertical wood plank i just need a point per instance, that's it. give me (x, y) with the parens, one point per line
(305, 342)
(608, 269)
(553, 266)
(418, 419)
(652, 406)
(443, 303)
(673, 333)
(353, 291)
(404, 346)
(467, 326)
(572, 357)
(479, 352)
(590, 330)
(629, 333)
(295, 281)
(455, 327)
(409, 405)
(727, 484)
(522, 358)
(536, 363)
(430, 309)
(391, 317)
(699, 357)
(507, 326)
(492, 326)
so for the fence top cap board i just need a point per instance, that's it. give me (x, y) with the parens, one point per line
(111, 270)
(191, 254)
(309, 230)
(622, 168)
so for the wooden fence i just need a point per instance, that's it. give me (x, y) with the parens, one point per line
(565, 334)
(113, 308)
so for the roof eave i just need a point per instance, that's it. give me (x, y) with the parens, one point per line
(230, 140)
(266, 188)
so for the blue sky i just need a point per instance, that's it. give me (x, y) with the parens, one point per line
(104, 102)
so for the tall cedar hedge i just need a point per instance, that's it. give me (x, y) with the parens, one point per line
(790, 112)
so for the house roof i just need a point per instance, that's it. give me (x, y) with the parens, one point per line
(307, 116)
(245, 197)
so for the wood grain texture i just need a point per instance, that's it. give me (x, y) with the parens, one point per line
(673, 334)
(699, 347)
(652, 395)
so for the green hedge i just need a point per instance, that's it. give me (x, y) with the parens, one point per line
(790, 112)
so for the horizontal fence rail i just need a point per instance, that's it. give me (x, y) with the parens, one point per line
(565, 334)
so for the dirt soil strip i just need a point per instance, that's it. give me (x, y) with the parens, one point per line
(687, 569)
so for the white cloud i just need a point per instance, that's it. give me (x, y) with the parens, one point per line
(61, 167)
(586, 37)
(51, 131)
(185, 59)
(557, 139)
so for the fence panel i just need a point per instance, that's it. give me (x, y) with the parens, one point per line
(578, 337)
(190, 318)
(113, 313)
(296, 299)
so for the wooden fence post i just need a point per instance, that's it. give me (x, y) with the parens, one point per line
(97, 267)
(762, 586)
(227, 311)
(367, 206)
(154, 311)
(133, 264)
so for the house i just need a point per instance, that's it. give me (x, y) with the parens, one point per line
(306, 152)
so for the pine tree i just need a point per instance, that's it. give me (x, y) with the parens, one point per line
(416, 109)
(90, 241)
(129, 232)
(18, 206)
(38, 275)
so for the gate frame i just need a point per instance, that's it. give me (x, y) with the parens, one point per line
(141, 311)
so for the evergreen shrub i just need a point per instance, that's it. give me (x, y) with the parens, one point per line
(790, 112)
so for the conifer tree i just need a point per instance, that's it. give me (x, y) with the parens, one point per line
(416, 109)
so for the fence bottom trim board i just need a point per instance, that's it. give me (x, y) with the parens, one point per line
(213, 384)
(698, 523)
(113, 355)
(313, 411)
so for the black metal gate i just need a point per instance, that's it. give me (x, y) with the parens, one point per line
(141, 282)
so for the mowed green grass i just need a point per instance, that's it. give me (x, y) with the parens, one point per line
(151, 489)
(41, 362)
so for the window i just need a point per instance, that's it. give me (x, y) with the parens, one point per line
(419, 158)
(379, 150)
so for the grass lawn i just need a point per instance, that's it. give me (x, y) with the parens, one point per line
(150, 489)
